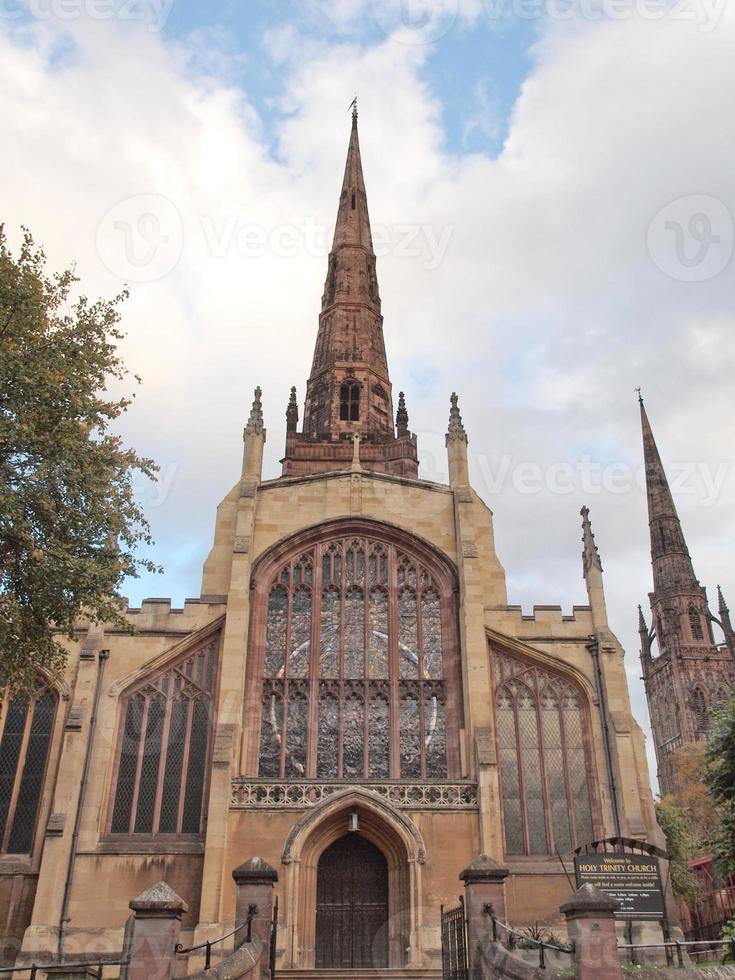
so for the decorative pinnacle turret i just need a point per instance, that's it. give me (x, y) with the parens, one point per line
(721, 604)
(590, 554)
(255, 422)
(401, 416)
(456, 430)
(292, 412)
(642, 625)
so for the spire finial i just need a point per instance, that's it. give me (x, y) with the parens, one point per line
(590, 554)
(353, 106)
(255, 422)
(292, 412)
(401, 416)
(640, 396)
(722, 605)
(456, 429)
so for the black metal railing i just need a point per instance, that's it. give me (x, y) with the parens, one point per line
(675, 950)
(274, 937)
(515, 938)
(207, 944)
(454, 943)
(93, 969)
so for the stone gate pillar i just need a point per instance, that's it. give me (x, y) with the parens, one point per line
(484, 885)
(590, 919)
(151, 934)
(255, 881)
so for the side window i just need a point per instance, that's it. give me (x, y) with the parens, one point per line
(164, 748)
(26, 726)
(349, 402)
(542, 732)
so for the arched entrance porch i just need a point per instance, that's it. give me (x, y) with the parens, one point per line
(398, 841)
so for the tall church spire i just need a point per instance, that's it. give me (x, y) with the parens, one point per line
(688, 666)
(672, 565)
(353, 220)
(349, 389)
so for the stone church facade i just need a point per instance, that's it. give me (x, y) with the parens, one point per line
(351, 698)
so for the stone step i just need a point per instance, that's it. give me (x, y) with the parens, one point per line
(364, 974)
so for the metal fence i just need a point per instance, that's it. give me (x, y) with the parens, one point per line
(454, 943)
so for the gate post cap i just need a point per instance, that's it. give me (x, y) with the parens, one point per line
(158, 900)
(587, 898)
(483, 868)
(256, 871)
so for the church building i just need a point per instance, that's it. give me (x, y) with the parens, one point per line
(686, 671)
(351, 697)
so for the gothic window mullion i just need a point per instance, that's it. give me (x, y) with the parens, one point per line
(521, 777)
(19, 767)
(395, 696)
(139, 764)
(163, 758)
(289, 620)
(567, 777)
(545, 789)
(420, 624)
(422, 727)
(284, 730)
(365, 586)
(314, 671)
(184, 766)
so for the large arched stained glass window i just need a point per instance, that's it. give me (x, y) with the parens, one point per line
(164, 748)
(353, 675)
(541, 733)
(26, 725)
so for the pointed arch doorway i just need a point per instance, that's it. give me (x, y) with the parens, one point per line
(352, 905)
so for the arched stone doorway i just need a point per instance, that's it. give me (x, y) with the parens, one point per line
(398, 841)
(352, 905)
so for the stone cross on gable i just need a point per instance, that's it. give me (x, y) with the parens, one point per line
(356, 467)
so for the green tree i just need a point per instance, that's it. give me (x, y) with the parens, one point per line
(720, 779)
(69, 521)
(681, 843)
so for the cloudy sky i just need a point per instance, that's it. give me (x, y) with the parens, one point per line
(551, 186)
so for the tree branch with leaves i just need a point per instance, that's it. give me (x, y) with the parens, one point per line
(70, 524)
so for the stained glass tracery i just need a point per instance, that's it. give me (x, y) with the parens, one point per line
(544, 776)
(365, 636)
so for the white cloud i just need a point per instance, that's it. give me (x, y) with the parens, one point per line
(545, 313)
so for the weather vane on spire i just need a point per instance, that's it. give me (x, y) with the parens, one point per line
(640, 396)
(353, 106)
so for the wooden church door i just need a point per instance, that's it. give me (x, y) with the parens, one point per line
(352, 905)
